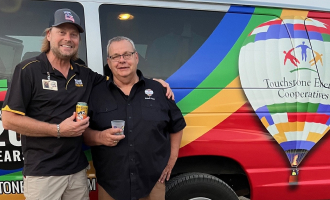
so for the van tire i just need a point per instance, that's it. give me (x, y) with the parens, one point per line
(192, 185)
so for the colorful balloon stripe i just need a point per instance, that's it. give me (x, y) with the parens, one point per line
(276, 21)
(299, 144)
(291, 131)
(323, 108)
(308, 117)
(316, 112)
(315, 137)
(293, 107)
(263, 112)
(281, 31)
(290, 126)
(270, 29)
(326, 37)
(314, 28)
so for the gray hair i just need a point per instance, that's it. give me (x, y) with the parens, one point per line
(117, 39)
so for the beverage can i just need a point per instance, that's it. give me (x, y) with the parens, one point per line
(81, 111)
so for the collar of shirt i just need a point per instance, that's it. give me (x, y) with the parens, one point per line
(111, 82)
(48, 67)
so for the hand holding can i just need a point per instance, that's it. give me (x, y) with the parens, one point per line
(81, 111)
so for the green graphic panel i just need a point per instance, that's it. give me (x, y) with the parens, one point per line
(228, 68)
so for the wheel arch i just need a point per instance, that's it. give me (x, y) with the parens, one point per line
(227, 169)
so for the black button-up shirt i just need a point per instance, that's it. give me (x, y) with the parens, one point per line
(50, 156)
(131, 169)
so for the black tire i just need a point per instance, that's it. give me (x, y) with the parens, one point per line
(193, 185)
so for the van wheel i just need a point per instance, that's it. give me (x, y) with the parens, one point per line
(198, 186)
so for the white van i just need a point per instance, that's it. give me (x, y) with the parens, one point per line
(209, 52)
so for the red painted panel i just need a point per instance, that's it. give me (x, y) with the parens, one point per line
(243, 138)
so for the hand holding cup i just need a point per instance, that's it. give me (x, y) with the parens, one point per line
(118, 124)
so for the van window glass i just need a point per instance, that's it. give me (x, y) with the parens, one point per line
(21, 31)
(165, 38)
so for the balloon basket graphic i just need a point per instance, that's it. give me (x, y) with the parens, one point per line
(293, 179)
(295, 157)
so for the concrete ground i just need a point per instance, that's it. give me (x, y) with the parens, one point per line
(243, 198)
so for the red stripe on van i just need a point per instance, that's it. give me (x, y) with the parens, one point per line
(313, 14)
(2, 95)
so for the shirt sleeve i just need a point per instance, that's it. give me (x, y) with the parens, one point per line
(98, 78)
(177, 122)
(19, 93)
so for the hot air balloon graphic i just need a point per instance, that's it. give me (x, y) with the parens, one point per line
(284, 74)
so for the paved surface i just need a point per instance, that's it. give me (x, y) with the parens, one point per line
(243, 198)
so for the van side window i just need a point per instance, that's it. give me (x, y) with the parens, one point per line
(22, 28)
(165, 38)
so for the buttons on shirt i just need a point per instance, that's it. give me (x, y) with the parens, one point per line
(130, 145)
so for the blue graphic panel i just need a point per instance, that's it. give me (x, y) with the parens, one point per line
(210, 54)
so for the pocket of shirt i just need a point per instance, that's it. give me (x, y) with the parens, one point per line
(102, 117)
(152, 111)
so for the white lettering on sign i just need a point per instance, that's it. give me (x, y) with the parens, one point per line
(12, 137)
(11, 187)
(10, 156)
(17, 187)
(91, 184)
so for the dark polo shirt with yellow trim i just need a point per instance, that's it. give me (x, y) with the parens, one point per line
(27, 95)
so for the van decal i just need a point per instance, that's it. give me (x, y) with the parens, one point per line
(283, 76)
(211, 52)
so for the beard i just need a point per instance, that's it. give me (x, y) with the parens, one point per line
(63, 56)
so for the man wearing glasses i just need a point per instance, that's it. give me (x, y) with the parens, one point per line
(136, 164)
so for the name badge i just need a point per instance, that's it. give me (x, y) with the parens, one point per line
(49, 85)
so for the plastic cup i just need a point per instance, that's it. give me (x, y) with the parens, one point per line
(118, 124)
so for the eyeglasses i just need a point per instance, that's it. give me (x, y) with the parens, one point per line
(126, 56)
